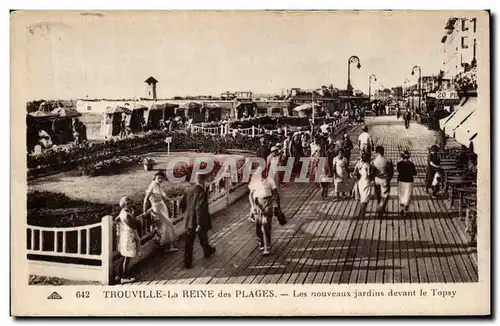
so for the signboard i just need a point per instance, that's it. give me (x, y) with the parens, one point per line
(445, 95)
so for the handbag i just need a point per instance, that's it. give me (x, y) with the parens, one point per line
(280, 216)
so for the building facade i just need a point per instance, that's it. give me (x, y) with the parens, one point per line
(459, 45)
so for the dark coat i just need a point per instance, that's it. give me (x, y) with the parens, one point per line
(195, 205)
(263, 152)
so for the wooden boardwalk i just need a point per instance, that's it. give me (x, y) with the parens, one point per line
(325, 241)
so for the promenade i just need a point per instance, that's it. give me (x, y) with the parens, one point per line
(326, 242)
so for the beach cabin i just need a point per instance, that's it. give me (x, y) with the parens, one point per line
(159, 112)
(110, 123)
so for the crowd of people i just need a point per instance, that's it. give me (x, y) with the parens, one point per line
(373, 170)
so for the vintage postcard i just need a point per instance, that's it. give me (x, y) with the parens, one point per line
(250, 163)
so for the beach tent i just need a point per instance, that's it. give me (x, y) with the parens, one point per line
(110, 123)
(245, 109)
(213, 111)
(134, 115)
(194, 110)
(159, 112)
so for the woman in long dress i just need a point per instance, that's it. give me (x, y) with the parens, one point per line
(158, 199)
(340, 174)
(362, 173)
(406, 174)
(314, 160)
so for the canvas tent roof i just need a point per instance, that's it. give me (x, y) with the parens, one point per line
(191, 105)
(469, 129)
(307, 106)
(41, 114)
(65, 112)
(462, 113)
(113, 110)
(163, 106)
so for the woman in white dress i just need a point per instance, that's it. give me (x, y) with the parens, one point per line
(340, 174)
(362, 172)
(158, 199)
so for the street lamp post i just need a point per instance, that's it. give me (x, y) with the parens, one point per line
(419, 83)
(370, 86)
(352, 59)
(405, 90)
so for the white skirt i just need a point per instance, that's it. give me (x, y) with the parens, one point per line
(405, 190)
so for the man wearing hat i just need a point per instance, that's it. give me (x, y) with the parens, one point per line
(198, 219)
(383, 172)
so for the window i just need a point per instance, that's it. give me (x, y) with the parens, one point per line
(464, 42)
(464, 25)
(89, 108)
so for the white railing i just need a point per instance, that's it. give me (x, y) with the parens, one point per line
(54, 251)
(89, 252)
(224, 129)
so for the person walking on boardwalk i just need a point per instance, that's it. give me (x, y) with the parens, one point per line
(158, 199)
(340, 175)
(198, 219)
(383, 171)
(362, 173)
(433, 164)
(346, 146)
(365, 142)
(406, 174)
(296, 152)
(266, 196)
(407, 118)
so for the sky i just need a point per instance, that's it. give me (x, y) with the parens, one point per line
(110, 54)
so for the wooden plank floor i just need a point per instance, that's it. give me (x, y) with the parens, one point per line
(326, 242)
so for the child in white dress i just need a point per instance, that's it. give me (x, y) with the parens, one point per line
(128, 238)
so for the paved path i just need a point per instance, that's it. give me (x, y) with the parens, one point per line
(326, 242)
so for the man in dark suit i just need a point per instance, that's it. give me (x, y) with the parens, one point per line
(198, 219)
(263, 151)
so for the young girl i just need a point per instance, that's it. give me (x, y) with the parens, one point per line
(158, 200)
(128, 238)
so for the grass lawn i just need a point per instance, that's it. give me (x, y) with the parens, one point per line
(108, 189)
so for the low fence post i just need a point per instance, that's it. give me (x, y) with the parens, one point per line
(253, 131)
(107, 249)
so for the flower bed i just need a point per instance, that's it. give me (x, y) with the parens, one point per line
(465, 81)
(69, 157)
(272, 122)
(95, 153)
(110, 166)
